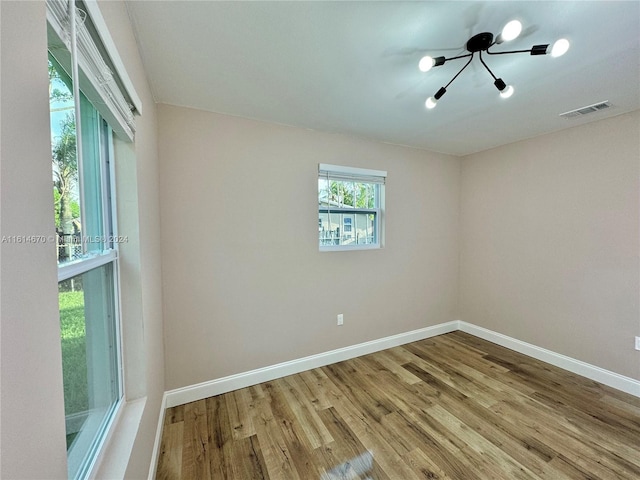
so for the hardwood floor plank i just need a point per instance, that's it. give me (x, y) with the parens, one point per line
(611, 418)
(313, 384)
(516, 442)
(277, 456)
(246, 460)
(220, 436)
(630, 404)
(238, 404)
(449, 407)
(573, 447)
(439, 458)
(368, 430)
(174, 415)
(464, 383)
(355, 386)
(401, 394)
(438, 381)
(498, 462)
(305, 413)
(387, 457)
(571, 470)
(480, 365)
(170, 460)
(196, 446)
(298, 443)
(423, 465)
(346, 455)
(596, 433)
(400, 355)
(389, 363)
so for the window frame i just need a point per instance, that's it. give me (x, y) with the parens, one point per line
(341, 173)
(96, 431)
(115, 117)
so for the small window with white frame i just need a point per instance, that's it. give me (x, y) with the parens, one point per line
(350, 208)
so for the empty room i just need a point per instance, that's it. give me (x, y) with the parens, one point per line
(319, 240)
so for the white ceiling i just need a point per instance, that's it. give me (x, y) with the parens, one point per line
(351, 67)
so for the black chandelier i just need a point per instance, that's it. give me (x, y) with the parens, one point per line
(482, 42)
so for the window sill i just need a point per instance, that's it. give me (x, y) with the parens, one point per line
(348, 248)
(114, 458)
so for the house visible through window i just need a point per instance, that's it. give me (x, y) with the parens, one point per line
(350, 207)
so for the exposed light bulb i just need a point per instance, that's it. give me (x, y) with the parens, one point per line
(426, 63)
(560, 47)
(507, 92)
(430, 103)
(511, 30)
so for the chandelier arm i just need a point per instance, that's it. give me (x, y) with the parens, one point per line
(488, 69)
(459, 56)
(509, 51)
(456, 76)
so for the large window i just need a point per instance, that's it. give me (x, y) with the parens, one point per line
(87, 269)
(86, 108)
(350, 207)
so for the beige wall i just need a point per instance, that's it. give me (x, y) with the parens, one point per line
(32, 412)
(244, 283)
(32, 417)
(549, 242)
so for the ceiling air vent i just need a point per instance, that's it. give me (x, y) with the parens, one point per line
(596, 107)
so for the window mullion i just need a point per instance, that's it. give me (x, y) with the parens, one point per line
(72, 269)
(329, 206)
(105, 197)
(75, 84)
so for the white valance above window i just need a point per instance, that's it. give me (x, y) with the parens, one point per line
(97, 81)
(351, 174)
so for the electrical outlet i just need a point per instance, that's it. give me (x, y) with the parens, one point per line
(637, 343)
(340, 319)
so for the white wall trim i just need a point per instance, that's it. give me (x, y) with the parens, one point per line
(612, 379)
(156, 443)
(218, 386)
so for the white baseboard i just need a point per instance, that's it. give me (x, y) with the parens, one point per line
(612, 379)
(218, 386)
(193, 393)
(156, 443)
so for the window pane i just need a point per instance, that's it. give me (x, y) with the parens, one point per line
(66, 185)
(77, 189)
(92, 140)
(340, 227)
(89, 359)
(348, 212)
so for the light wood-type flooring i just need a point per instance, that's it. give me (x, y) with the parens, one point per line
(449, 407)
